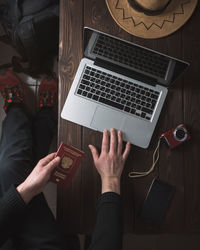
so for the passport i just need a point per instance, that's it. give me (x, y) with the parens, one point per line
(70, 160)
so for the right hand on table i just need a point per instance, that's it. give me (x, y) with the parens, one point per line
(110, 162)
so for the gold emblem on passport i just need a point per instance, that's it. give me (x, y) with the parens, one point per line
(66, 162)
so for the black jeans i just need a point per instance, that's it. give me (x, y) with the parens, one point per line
(23, 142)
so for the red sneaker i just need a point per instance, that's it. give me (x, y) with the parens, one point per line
(11, 88)
(48, 93)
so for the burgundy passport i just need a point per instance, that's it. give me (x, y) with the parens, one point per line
(70, 160)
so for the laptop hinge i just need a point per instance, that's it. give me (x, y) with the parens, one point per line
(123, 71)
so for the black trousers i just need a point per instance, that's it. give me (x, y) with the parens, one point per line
(24, 141)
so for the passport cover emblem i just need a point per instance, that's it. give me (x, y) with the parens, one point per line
(70, 160)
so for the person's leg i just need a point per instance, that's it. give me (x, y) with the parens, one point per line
(16, 139)
(44, 129)
(45, 123)
(16, 160)
(37, 229)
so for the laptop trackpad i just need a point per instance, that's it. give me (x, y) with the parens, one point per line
(106, 119)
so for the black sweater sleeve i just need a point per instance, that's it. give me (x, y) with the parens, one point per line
(108, 229)
(11, 209)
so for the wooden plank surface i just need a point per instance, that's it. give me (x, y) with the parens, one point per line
(191, 102)
(179, 167)
(70, 53)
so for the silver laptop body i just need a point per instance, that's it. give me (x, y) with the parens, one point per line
(120, 85)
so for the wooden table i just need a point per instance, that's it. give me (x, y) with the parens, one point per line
(180, 167)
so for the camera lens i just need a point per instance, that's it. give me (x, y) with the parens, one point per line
(180, 134)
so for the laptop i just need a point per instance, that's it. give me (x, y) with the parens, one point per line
(120, 85)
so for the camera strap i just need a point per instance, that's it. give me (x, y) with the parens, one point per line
(135, 174)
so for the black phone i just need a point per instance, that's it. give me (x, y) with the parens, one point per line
(156, 202)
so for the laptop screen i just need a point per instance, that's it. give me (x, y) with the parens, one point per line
(131, 59)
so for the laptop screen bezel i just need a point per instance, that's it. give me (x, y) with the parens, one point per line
(131, 72)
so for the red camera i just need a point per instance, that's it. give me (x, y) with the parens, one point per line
(176, 136)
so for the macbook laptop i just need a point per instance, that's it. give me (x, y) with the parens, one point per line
(120, 85)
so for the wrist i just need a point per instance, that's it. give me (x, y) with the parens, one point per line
(111, 184)
(25, 192)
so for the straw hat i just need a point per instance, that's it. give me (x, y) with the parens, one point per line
(151, 18)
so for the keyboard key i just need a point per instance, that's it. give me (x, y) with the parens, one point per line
(86, 77)
(95, 97)
(138, 101)
(111, 103)
(113, 98)
(148, 100)
(108, 96)
(89, 95)
(85, 82)
(79, 92)
(146, 110)
(154, 96)
(123, 101)
(152, 106)
(133, 111)
(133, 105)
(127, 109)
(137, 90)
(82, 86)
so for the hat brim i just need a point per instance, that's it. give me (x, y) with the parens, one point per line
(139, 24)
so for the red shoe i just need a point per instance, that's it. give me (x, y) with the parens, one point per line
(11, 88)
(48, 93)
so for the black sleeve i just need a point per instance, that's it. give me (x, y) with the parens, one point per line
(11, 209)
(108, 229)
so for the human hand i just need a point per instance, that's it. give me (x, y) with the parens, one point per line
(110, 162)
(38, 178)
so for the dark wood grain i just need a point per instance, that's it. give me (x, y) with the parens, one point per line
(70, 53)
(191, 99)
(179, 167)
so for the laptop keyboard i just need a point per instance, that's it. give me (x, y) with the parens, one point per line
(116, 92)
(133, 56)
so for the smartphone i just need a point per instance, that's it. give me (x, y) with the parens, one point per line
(156, 202)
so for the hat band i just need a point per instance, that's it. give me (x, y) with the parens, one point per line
(135, 5)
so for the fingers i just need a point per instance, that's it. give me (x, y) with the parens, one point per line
(127, 150)
(113, 141)
(52, 164)
(120, 142)
(94, 152)
(105, 142)
(44, 161)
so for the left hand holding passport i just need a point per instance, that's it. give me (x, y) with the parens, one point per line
(38, 178)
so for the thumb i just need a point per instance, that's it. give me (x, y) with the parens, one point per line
(53, 164)
(94, 152)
